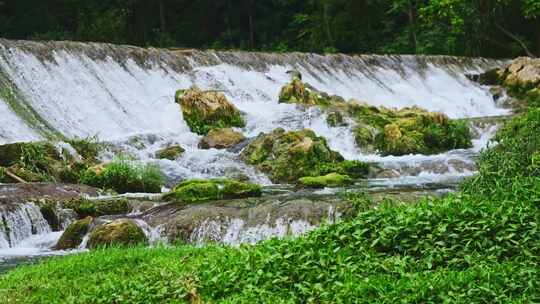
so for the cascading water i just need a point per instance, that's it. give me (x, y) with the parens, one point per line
(125, 95)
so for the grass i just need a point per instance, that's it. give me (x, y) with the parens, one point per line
(123, 175)
(480, 245)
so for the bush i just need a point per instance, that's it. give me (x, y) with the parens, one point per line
(123, 175)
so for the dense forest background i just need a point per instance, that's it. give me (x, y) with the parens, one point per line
(491, 28)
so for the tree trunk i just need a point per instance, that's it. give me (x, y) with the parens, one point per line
(162, 21)
(516, 38)
(251, 25)
(327, 24)
(412, 22)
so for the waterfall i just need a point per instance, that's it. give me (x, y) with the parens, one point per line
(20, 223)
(125, 95)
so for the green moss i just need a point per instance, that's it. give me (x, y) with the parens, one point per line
(74, 234)
(287, 156)
(236, 189)
(329, 180)
(95, 208)
(201, 190)
(335, 119)
(363, 136)
(48, 211)
(121, 232)
(88, 148)
(170, 153)
(207, 110)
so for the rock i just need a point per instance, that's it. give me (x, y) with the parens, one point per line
(335, 119)
(122, 232)
(301, 93)
(329, 180)
(388, 173)
(170, 153)
(523, 72)
(207, 110)
(497, 92)
(74, 234)
(84, 207)
(287, 156)
(21, 193)
(201, 190)
(221, 139)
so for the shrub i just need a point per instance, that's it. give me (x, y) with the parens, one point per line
(89, 147)
(123, 175)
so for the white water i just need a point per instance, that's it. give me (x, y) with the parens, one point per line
(125, 95)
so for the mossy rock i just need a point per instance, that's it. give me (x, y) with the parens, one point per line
(202, 190)
(122, 232)
(95, 208)
(170, 153)
(336, 119)
(221, 139)
(74, 234)
(49, 213)
(207, 110)
(40, 162)
(287, 156)
(298, 92)
(329, 180)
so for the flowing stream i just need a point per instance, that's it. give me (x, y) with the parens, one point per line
(125, 96)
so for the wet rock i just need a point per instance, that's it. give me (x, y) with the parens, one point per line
(207, 110)
(221, 139)
(20, 193)
(122, 232)
(299, 93)
(170, 153)
(329, 180)
(246, 220)
(336, 119)
(85, 207)
(287, 156)
(200, 190)
(388, 173)
(74, 234)
(462, 166)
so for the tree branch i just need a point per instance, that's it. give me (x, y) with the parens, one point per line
(523, 45)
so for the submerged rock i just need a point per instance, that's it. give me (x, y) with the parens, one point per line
(329, 180)
(201, 190)
(122, 232)
(221, 139)
(207, 110)
(170, 153)
(74, 234)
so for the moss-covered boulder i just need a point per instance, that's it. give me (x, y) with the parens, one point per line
(122, 232)
(301, 93)
(523, 72)
(390, 131)
(170, 152)
(221, 139)
(84, 207)
(287, 156)
(74, 234)
(329, 180)
(202, 190)
(207, 110)
(407, 131)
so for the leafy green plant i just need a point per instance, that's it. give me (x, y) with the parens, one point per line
(124, 175)
(89, 147)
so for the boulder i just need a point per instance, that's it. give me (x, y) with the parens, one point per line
(329, 180)
(221, 139)
(85, 207)
(287, 156)
(301, 93)
(74, 234)
(207, 110)
(170, 152)
(523, 72)
(202, 190)
(122, 232)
